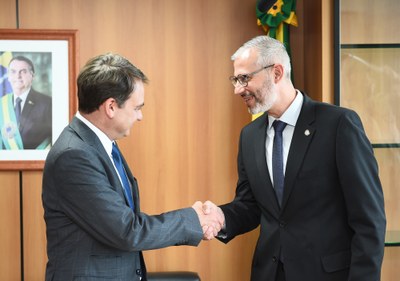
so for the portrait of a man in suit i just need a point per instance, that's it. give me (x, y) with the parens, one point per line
(25, 113)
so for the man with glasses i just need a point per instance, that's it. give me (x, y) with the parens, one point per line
(307, 176)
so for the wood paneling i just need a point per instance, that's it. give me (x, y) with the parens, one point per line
(297, 44)
(390, 267)
(313, 49)
(10, 238)
(318, 49)
(327, 60)
(370, 21)
(34, 232)
(8, 15)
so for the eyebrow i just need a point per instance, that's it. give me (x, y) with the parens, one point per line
(139, 106)
(14, 69)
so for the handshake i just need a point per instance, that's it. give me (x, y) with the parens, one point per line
(211, 217)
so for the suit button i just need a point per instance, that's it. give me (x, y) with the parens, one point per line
(282, 224)
(139, 272)
(274, 259)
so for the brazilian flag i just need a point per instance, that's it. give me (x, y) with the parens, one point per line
(275, 17)
(5, 87)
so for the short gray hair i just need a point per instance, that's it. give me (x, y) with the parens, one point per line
(269, 51)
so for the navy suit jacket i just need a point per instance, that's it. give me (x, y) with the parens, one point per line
(331, 226)
(36, 120)
(92, 233)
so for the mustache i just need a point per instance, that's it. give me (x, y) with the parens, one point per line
(247, 94)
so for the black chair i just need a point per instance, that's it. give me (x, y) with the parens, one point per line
(173, 276)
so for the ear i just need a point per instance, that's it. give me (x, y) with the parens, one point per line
(278, 73)
(109, 106)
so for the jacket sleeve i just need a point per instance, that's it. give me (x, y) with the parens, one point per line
(358, 174)
(88, 197)
(242, 214)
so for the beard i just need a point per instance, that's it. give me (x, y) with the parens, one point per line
(264, 97)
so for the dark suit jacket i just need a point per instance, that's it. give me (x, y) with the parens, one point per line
(36, 120)
(92, 234)
(331, 225)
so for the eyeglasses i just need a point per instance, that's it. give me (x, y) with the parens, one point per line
(244, 79)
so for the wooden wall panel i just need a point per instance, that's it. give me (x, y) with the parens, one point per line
(297, 44)
(390, 267)
(34, 232)
(10, 238)
(374, 22)
(8, 16)
(313, 49)
(327, 52)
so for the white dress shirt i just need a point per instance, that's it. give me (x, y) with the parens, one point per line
(23, 97)
(290, 117)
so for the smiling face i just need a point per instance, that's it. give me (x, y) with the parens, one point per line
(260, 94)
(20, 76)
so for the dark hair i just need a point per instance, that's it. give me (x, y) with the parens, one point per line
(106, 76)
(25, 59)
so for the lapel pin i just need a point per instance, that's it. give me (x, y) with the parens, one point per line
(30, 102)
(307, 132)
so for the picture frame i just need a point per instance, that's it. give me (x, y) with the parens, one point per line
(53, 70)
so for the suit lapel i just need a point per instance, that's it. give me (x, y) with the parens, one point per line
(302, 136)
(261, 162)
(86, 134)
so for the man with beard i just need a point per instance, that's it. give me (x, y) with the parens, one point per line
(307, 176)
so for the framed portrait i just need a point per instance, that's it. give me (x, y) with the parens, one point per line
(38, 69)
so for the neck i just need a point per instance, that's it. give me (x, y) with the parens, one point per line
(287, 94)
(100, 121)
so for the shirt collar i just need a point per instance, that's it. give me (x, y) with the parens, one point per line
(105, 141)
(291, 114)
(23, 97)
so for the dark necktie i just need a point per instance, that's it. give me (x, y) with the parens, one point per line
(18, 108)
(277, 160)
(116, 155)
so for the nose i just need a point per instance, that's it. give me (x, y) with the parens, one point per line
(139, 116)
(239, 89)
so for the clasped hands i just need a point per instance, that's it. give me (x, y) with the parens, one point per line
(211, 217)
